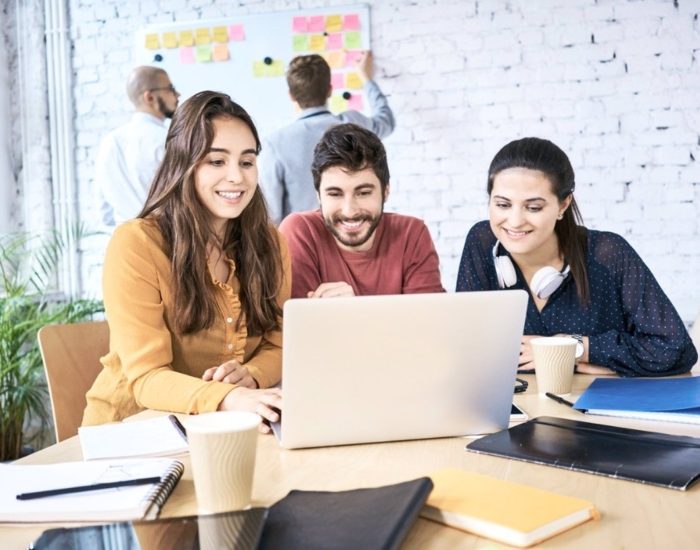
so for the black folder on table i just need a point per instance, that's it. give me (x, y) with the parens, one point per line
(648, 457)
(378, 517)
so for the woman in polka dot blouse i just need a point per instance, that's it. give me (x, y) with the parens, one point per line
(581, 282)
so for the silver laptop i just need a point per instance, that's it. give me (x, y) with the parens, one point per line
(386, 368)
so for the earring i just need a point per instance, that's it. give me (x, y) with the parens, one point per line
(560, 216)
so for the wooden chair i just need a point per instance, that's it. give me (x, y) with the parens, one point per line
(71, 355)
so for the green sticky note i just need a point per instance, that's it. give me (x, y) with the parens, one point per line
(203, 54)
(352, 40)
(300, 42)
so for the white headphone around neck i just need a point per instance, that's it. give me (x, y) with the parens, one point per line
(544, 282)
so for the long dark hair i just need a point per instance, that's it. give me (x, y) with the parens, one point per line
(184, 222)
(543, 155)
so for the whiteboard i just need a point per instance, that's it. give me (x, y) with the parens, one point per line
(246, 56)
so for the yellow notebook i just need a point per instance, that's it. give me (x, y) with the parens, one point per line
(508, 512)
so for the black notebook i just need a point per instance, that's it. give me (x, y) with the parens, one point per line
(648, 457)
(374, 518)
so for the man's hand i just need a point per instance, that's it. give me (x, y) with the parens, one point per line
(231, 372)
(365, 66)
(332, 290)
(267, 403)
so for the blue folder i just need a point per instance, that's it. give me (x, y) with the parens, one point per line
(670, 399)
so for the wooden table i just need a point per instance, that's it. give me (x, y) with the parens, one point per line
(633, 515)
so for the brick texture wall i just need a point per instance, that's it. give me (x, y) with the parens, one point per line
(614, 83)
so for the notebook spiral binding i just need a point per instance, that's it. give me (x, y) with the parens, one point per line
(162, 491)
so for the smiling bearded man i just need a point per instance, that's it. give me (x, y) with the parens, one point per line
(350, 247)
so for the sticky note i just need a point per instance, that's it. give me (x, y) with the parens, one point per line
(334, 23)
(335, 59)
(170, 40)
(187, 55)
(202, 37)
(337, 81)
(186, 38)
(317, 42)
(351, 22)
(316, 23)
(220, 34)
(351, 58)
(353, 81)
(220, 52)
(356, 103)
(338, 104)
(203, 53)
(300, 42)
(152, 41)
(262, 70)
(334, 41)
(237, 33)
(352, 40)
(299, 24)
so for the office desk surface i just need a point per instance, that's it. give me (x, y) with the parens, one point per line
(633, 515)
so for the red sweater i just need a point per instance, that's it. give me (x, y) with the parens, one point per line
(402, 259)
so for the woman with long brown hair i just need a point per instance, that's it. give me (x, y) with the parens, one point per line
(589, 284)
(194, 287)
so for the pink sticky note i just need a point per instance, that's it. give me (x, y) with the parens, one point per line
(317, 23)
(351, 22)
(334, 41)
(355, 103)
(236, 32)
(187, 55)
(351, 57)
(337, 81)
(299, 24)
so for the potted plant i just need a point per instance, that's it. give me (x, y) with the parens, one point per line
(28, 301)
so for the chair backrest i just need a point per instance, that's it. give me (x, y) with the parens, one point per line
(71, 355)
(695, 336)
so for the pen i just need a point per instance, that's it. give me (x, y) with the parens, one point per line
(178, 426)
(560, 400)
(84, 488)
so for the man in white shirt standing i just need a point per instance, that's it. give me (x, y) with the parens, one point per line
(130, 155)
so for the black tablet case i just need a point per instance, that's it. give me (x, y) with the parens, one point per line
(374, 518)
(635, 455)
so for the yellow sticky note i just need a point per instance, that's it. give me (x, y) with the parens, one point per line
(334, 23)
(220, 34)
(338, 104)
(353, 81)
(335, 59)
(202, 37)
(317, 42)
(203, 53)
(152, 41)
(300, 42)
(263, 70)
(170, 40)
(220, 52)
(186, 38)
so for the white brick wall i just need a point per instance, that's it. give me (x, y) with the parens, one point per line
(614, 83)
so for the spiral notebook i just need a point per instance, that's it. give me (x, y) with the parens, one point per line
(116, 504)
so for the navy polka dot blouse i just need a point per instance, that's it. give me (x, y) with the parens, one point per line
(632, 326)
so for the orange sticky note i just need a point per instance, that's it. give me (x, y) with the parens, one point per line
(335, 59)
(220, 52)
